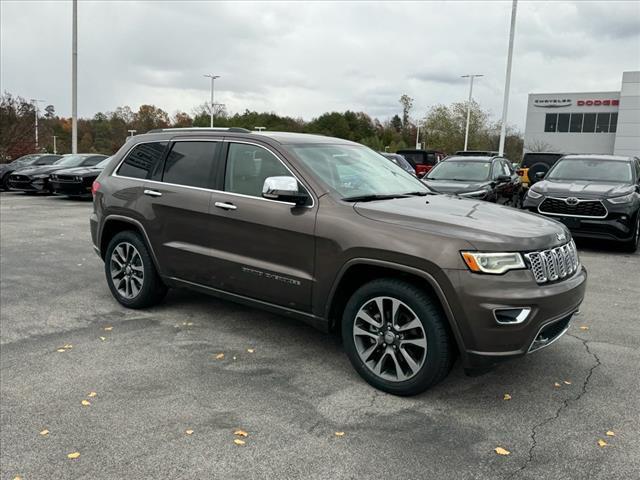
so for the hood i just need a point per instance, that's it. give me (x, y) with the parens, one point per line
(452, 186)
(40, 170)
(80, 171)
(484, 225)
(582, 188)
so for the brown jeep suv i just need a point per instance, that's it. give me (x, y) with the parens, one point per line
(330, 232)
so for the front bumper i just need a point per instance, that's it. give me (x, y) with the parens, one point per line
(477, 296)
(70, 188)
(618, 225)
(24, 184)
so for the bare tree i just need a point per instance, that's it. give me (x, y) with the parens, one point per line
(539, 146)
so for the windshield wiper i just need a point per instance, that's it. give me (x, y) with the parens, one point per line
(418, 194)
(370, 197)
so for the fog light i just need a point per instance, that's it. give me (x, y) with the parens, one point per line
(511, 316)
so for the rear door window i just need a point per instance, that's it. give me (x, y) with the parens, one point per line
(142, 160)
(192, 163)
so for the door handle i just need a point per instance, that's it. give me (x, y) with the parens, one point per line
(225, 206)
(152, 193)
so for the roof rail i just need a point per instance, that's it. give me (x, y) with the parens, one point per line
(201, 129)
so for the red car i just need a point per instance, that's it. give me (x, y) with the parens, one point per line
(422, 160)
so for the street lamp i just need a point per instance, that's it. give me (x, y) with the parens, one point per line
(132, 132)
(259, 128)
(35, 109)
(74, 79)
(54, 145)
(470, 76)
(213, 78)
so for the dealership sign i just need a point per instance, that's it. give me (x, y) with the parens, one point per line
(597, 103)
(552, 102)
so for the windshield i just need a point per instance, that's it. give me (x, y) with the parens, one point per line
(354, 171)
(460, 170)
(591, 170)
(71, 160)
(26, 160)
(103, 163)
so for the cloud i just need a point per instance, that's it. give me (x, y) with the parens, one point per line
(302, 59)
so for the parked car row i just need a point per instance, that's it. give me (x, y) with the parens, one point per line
(70, 175)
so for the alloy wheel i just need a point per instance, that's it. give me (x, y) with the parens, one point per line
(127, 270)
(390, 339)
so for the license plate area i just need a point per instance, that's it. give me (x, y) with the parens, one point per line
(570, 222)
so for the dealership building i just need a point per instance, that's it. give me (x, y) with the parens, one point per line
(587, 122)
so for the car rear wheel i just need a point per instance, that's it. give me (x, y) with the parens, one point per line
(4, 184)
(131, 274)
(396, 338)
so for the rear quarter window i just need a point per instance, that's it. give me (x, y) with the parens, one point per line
(142, 160)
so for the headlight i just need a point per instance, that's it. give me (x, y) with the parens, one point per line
(623, 199)
(495, 263)
(533, 194)
(477, 193)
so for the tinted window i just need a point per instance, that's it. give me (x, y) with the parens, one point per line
(191, 163)
(462, 170)
(92, 161)
(602, 122)
(550, 122)
(563, 122)
(591, 170)
(48, 160)
(142, 160)
(247, 168)
(576, 123)
(613, 126)
(589, 125)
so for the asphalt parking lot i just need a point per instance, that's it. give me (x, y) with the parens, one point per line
(156, 374)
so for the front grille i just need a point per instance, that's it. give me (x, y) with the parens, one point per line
(19, 178)
(583, 208)
(66, 178)
(554, 264)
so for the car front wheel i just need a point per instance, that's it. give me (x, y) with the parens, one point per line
(632, 245)
(396, 337)
(131, 274)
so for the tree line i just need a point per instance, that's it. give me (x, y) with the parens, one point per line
(441, 129)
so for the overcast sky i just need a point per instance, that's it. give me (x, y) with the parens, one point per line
(303, 59)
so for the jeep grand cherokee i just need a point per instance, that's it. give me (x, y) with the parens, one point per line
(332, 233)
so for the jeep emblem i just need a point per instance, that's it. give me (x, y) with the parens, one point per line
(573, 201)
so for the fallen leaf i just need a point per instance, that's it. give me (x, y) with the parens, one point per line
(189, 324)
(86, 403)
(103, 338)
(241, 433)
(234, 357)
(501, 451)
(61, 350)
(73, 455)
(506, 397)
(237, 441)
(220, 356)
(107, 329)
(557, 385)
(68, 346)
(584, 327)
(250, 350)
(567, 382)
(339, 434)
(188, 432)
(91, 394)
(610, 434)
(602, 443)
(44, 432)
(17, 478)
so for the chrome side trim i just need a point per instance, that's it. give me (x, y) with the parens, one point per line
(580, 200)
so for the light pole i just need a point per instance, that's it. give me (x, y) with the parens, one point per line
(132, 132)
(418, 136)
(74, 80)
(466, 131)
(35, 109)
(259, 128)
(507, 81)
(54, 145)
(213, 79)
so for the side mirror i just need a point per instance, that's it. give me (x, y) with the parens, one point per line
(503, 179)
(284, 189)
(540, 175)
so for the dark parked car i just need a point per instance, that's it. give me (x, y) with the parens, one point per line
(476, 153)
(77, 181)
(400, 161)
(421, 160)
(535, 163)
(483, 178)
(329, 232)
(36, 178)
(34, 159)
(596, 196)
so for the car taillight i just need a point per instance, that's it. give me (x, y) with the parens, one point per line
(95, 186)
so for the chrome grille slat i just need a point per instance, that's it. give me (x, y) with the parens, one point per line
(553, 264)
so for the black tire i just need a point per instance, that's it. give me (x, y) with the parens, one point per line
(632, 245)
(152, 289)
(440, 352)
(4, 184)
